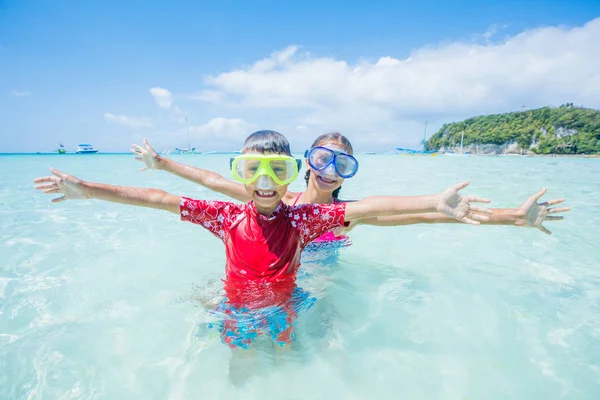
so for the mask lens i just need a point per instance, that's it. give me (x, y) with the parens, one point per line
(320, 158)
(283, 169)
(247, 168)
(346, 165)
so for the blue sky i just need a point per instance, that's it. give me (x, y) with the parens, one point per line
(111, 73)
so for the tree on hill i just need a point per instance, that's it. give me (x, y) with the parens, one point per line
(567, 129)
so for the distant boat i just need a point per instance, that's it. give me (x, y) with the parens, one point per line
(61, 149)
(189, 149)
(412, 152)
(185, 151)
(85, 149)
(451, 153)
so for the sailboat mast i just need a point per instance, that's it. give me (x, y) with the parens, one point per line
(187, 132)
(425, 136)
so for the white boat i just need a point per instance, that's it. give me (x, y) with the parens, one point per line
(461, 154)
(189, 149)
(185, 151)
(412, 152)
(85, 149)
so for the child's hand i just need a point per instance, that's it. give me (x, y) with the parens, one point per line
(71, 187)
(146, 155)
(452, 204)
(533, 214)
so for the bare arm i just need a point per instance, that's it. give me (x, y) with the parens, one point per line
(73, 188)
(449, 203)
(499, 216)
(529, 214)
(381, 206)
(208, 179)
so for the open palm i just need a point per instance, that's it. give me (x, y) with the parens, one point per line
(72, 188)
(147, 155)
(453, 204)
(533, 214)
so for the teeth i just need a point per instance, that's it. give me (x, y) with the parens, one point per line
(265, 193)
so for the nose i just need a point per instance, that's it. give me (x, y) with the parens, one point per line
(330, 171)
(265, 183)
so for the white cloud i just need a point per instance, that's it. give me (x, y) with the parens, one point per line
(21, 93)
(164, 99)
(492, 31)
(544, 66)
(222, 128)
(132, 122)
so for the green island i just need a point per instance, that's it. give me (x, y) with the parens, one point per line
(567, 129)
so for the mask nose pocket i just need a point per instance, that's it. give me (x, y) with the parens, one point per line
(264, 183)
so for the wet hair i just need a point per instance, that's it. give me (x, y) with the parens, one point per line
(267, 142)
(331, 137)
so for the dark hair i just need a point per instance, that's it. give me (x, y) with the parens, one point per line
(330, 137)
(267, 142)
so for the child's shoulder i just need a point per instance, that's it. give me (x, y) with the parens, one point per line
(310, 209)
(212, 204)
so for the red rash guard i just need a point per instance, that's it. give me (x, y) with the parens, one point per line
(259, 248)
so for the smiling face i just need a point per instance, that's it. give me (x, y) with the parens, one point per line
(328, 180)
(264, 191)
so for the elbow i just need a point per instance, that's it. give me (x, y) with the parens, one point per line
(214, 182)
(159, 196)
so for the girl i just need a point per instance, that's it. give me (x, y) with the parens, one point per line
(329, 162)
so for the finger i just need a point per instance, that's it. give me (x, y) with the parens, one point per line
(476, 199)
(47, 186)
(59, 199)
(138, 148)
(539, 194)
(557, 210)
(553, 218)
(480, 209)
(53, 190)
(58, 173)
(481, 218)
(138, 158)
(469, 221)
(45, 179)
(135, 151)
(147, 144)
(461, 186)
(546, 231)
(555, 201)
(143, 169)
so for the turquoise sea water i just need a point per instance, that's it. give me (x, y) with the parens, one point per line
(103, 301)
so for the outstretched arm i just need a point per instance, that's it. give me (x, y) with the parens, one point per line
(208, 179)
(449, 203)
(529, 214)
(73, 188)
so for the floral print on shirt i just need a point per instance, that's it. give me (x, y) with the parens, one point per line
(309, 220)
(216, 216)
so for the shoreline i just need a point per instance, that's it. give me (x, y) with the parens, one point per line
(547, 155)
